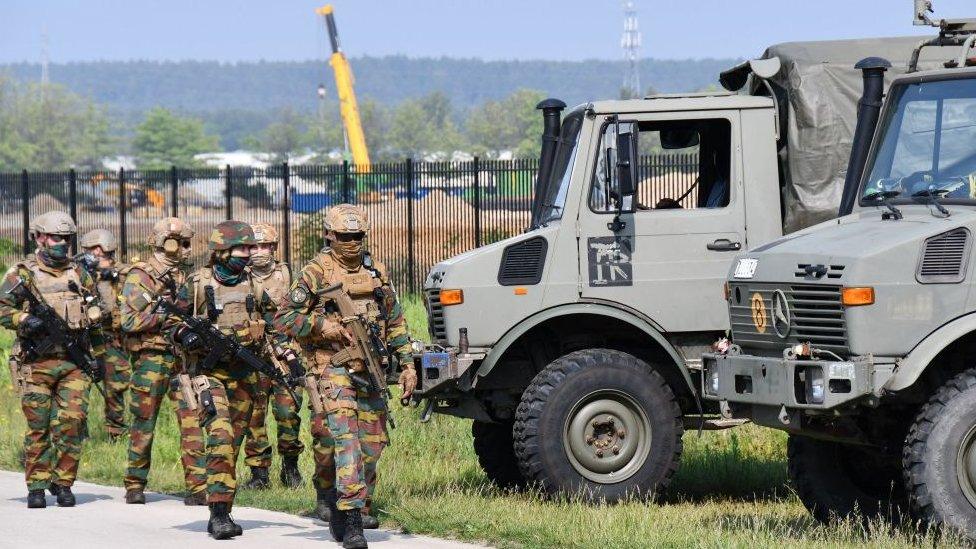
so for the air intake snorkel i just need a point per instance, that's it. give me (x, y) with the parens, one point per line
(550, 140)
(868, 111)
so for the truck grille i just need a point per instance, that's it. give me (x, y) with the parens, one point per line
(816, 315)
(435, 316)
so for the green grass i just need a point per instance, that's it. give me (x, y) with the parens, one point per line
(730, 491)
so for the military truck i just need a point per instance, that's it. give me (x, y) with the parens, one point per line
(576, 346)
(857, 336)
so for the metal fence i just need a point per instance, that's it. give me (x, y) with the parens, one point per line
(419, 212)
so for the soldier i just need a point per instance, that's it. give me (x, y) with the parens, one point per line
(225, 294)
(99, 246)
(272, 278)
(153, 363)
(354, 417)
(45, 376)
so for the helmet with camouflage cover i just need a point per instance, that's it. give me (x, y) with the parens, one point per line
(53, 222)
(169, 227)
(99, 237)
(264, 233)
(228, 234)
(346, 218)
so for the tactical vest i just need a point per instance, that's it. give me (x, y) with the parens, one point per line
(55, 288)
(275, 284)
(236, 307)
(361, 285)
(155, 340)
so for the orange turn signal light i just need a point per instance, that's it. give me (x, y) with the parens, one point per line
(857, 296)
(452, 297)
(521, 291)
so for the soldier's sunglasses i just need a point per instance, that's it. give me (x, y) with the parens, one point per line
(57, 238)
(349, 237)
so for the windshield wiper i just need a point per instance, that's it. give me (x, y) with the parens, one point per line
(885, 196)
(933, 199)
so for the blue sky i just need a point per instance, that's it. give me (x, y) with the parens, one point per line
(232, 30)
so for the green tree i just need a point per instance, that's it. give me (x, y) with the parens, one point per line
(46, 127)
(510, 124)
(286, 136)
(164, 139)
(423, 126)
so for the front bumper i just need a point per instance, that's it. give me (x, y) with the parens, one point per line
(444, 370)
(789, 383)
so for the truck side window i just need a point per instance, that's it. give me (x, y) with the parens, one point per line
(682, 164)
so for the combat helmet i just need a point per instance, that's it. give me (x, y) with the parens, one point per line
(53, 222)
(169, 227)
(346, 218)
(228, 234)
(99, 237)
(264, 233)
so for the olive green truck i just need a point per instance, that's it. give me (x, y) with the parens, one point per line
(577, 347)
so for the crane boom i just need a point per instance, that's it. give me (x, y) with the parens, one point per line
(348, 107)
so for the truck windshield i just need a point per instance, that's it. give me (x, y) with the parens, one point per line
(553, 193)
(928, 144)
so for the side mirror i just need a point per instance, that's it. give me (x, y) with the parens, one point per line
(626, 166)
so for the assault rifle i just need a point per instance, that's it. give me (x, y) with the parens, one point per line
(57, 333)
(220, 346)
(90, 263)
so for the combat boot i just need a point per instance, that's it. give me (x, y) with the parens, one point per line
(53, 488)
(290, 475)
(36, 499)
(322, 511)
(65, 497)
(196, 498)
(369, 521)
(135, 496)
(354, 537)
(259, 479)
(220, 525)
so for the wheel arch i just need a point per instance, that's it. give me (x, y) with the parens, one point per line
(577, 317)
(958, 333)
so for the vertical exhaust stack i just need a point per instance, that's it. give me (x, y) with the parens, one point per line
(868, 112)
(550, 139)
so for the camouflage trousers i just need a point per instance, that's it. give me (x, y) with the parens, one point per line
(233, 399)
(257, 450)
(118, 370)
(53, 449)
(151, 381)
(347, 439)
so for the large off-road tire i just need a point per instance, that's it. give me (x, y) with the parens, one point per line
(496, 453)
(599, 423)
(940, 456)
(840, 481)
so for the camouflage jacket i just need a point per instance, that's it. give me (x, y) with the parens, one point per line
(306, 312)
(55, 288)
(143, 282)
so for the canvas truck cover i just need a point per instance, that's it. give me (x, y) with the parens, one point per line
(818, 88)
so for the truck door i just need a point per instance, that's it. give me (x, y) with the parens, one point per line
(669, 256)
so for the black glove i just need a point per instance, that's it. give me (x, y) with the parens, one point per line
(98, 370)
(295, 369)
(31, 326)
(188, 339)
(110, 275)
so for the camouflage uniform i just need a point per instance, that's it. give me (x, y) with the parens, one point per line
(351, 433)
(272, 278)
(51, 384)
(232, 303)
(153, 368)
(118, 369)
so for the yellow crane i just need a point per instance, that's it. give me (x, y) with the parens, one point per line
(353, 128)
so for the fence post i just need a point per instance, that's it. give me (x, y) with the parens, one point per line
(345, 181)
(123, 247)
(477, 203)
(229, 193)
(25, 206)
(410, 229)
(73, 205)
(174, 192)
(285, 204)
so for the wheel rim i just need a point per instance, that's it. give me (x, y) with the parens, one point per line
(966, 465)
(607, 436)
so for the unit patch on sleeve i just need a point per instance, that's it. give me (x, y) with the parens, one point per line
(610, 260)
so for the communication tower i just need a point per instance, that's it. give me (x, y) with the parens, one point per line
(630, 41)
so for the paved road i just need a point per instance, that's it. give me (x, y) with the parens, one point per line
(101, 519)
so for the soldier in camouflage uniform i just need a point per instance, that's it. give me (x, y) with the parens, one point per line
(99, 247)
(225, 293)
(354, 416)
(273, 278)
(153, 373)
(52, 381)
